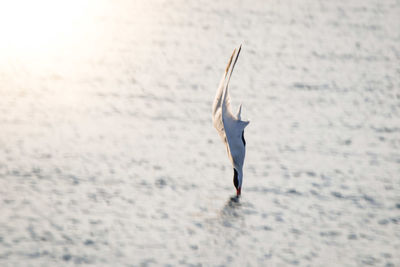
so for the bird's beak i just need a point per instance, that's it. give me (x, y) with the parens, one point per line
(238, 191)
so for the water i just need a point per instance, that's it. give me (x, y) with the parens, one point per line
(108, 155)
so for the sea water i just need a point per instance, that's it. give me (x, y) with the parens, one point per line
(108, 155)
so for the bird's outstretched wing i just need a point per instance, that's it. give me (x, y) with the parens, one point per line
(229, 126)
(217, 105)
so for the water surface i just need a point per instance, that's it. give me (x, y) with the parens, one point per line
(108, 155)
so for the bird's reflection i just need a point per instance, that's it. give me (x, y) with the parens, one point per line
(231, 212)
(233, 200)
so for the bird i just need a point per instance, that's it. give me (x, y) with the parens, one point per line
(230, 127)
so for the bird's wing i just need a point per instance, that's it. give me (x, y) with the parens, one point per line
(217, 105)
(226, 99)
(228, 126)
(233, 125)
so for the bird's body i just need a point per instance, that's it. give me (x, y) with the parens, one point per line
(229, 126)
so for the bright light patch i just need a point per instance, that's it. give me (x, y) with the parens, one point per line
(28, 26)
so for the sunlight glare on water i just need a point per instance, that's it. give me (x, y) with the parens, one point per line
(40, 27)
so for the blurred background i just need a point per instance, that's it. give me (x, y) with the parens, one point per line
(108, 155)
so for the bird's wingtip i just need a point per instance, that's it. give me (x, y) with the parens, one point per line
(229, 63)
(239, 112)
(245, 123)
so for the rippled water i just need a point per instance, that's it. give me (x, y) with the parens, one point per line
(108, 155)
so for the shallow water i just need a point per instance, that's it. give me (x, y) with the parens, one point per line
(108, 155)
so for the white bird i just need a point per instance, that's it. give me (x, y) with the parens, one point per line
(229, 126)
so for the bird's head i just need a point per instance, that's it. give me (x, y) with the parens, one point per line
(237, 180)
